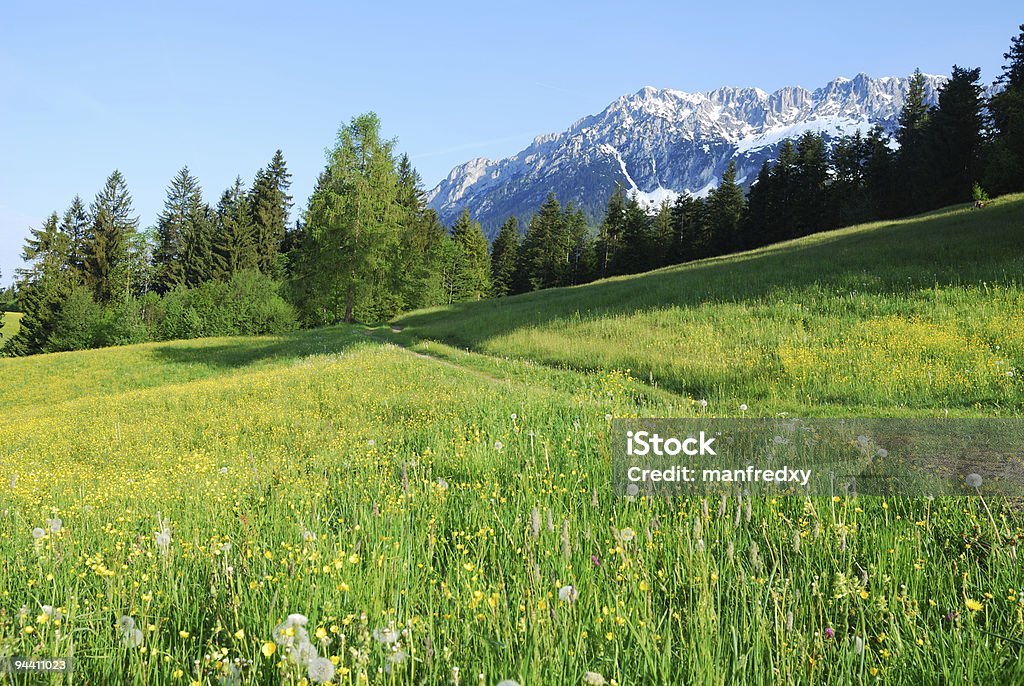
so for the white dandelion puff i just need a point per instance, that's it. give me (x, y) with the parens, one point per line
(498, 445)
(55, 525)
(387, 636)
(321, 670)
(567, 594)
(38, 533)
(973, 480)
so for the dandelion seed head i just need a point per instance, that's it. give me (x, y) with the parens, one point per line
(321, 670)
(567, 594)
(973, 480)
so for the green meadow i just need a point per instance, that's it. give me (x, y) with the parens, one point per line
(429, 502)
(10, 325)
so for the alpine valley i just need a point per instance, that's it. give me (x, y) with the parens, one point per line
(659, 143)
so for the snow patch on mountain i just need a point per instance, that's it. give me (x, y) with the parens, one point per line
(661, 143)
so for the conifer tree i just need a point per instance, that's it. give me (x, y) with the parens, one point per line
(812, 165)
(472, 272)
(75, 225)
(42, 287)
(270, 205)
(954, 139)
(106, 250)
(504, 256)
(184, 250)
(609, 239)
(725, 209)
(1006, 106)
(756, 216)
(234, 241)
(636, 248)
(544, 250)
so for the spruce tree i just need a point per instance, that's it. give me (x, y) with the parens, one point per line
(75, 225)
(637, 244)
(954, 139)
(42, 287)
(184, 250)
(812, 166)
(725, 210)
(107, 269)
(504, 255)
(234, 241)
(1005, 171)
(544, 251)
(756, 216)
(270, 205)
(609, 240)
(472, 273)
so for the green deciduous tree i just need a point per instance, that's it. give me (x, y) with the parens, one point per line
(352, 226)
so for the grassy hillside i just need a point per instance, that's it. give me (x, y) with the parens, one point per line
(10, 326)
(434, 511)
(921, 314)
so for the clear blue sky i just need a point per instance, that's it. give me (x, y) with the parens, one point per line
(148, 87)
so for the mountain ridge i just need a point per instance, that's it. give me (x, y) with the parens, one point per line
(661, 142)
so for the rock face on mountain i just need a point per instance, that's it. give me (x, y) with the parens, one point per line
(659, 143)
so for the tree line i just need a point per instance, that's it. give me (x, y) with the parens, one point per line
(367, 247)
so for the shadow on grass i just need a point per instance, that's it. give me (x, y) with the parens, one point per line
(235, 353)
(950, 247)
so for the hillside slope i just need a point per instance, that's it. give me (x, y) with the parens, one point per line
(920, 313)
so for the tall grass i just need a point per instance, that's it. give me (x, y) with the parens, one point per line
(438, 515)
(920, 315)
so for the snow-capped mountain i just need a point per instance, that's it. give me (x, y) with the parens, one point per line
(659, 143)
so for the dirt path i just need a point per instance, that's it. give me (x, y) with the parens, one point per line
(438, 359)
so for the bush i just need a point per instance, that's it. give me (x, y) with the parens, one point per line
(79, 324)
(249, 304)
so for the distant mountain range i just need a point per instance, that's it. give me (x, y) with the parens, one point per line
(659, 143)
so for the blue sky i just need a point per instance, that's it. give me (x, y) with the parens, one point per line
(148, 87)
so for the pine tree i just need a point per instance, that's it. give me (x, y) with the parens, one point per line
(234, 242)
(954, 139)
(472, 274)
(663, 235)
(725, 210)
(75, 225)
(782, 218)
(270, 205)
(637, 244)
(106, 249)
(184, 251)
(1005, 165)
(812, 165)
(504, 256)
(42, 287)
(914, 156)
(756, 217)
(544, 250)
(609, 239)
